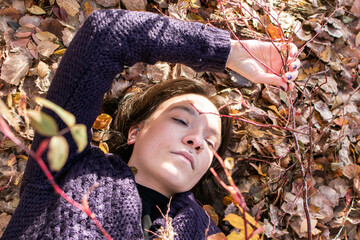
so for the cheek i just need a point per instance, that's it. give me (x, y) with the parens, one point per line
(206, 163)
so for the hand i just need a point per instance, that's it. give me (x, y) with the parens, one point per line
(243, 63)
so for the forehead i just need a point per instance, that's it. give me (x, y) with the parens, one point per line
(197, 103)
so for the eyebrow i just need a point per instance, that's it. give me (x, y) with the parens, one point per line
(186, 109)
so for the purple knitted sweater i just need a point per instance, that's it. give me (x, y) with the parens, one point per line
(106, 42)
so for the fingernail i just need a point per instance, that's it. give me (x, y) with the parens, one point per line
(288, 77)
(294, 66)
(294, 53)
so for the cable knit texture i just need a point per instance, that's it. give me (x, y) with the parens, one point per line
(106, 42)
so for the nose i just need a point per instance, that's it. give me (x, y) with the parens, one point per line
(195, 142)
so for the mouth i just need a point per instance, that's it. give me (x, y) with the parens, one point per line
(186, 156)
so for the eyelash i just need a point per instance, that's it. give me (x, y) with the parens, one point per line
(181, 121)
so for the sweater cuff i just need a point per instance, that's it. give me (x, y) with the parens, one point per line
(217, 55)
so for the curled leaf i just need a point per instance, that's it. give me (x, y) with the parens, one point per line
(58, 152)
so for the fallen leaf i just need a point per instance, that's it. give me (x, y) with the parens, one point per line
(15, 67)
(133, 5)
(355, 9)
(109, 3)
(29, 19)
(211, 212)
(36, 10)
(71, 6)
(351, 170)
(46, 36)
(10, 12)
(88, 9)
(102, 122)
(47, 48)
(42, 69)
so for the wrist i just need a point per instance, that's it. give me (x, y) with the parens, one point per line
(236, 52)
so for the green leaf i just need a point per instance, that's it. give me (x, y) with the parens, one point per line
(43, 123)
(80, 136)
(58, 152)
(67, 117)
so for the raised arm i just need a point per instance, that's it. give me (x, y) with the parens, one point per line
(110, 39)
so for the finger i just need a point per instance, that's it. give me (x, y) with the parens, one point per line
(295, 65)
(269, 78)
(291, 76)
(293, 50)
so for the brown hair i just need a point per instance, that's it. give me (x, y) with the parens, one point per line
(138, 105)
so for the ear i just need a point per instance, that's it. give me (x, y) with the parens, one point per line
(133, 133)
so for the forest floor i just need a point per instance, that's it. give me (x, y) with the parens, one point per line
(296, 154)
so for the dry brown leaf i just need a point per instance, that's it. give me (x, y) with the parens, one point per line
(71, 6)
(351, 170)
(356, 8)
(10, 12)
(42, 69)
(134, 5)
(108, 3)
(15, 67)
(67, 36)
(34, 20)
(47, 48)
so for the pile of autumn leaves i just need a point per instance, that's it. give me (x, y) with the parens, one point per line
(325, 106)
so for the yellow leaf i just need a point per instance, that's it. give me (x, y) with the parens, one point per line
(104, 147)
(58, 152)
(102, 122)
(211, 212)
(36, 10)
(71, 6)
(60, 51)
(88, 9)
(46, 36)
(236, 236)
(227, 200)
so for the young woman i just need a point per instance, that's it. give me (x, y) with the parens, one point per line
(170, 129)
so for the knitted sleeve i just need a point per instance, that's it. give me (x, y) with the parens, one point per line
(110, 39)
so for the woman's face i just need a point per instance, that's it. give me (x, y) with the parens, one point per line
(172, 149)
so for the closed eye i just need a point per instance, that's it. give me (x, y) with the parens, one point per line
(181, 121)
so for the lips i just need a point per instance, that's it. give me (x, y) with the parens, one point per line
(187, 156)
